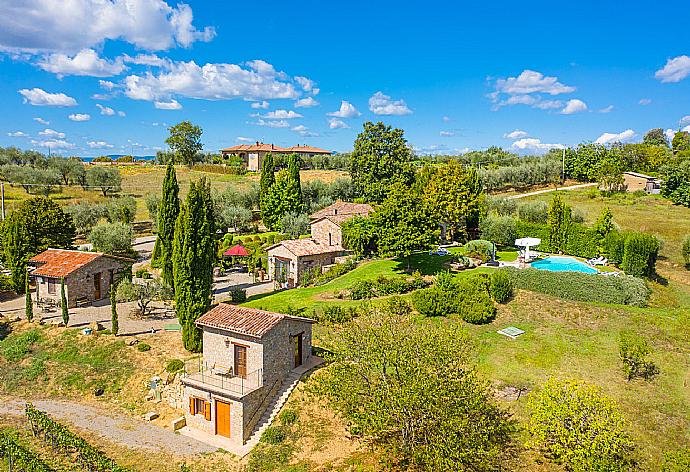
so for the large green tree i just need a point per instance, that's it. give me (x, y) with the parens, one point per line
(283, 197)
(106, 179)
(409, 388)
(453, 195)
(193, 260)
(168, 210)
(185, 141)
(680, 142)
(655, 137)
(268, 179)
(404, 223)
(381, 157)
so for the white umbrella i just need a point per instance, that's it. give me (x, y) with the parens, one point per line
(527, 243)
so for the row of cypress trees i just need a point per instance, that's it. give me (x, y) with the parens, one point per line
(185, 251)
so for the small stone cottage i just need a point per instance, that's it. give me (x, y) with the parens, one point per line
(87, 275)
(288, 260)
(247, 356)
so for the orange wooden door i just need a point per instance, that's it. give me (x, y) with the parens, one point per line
(97, 286)
(241, 361)
(222, 419)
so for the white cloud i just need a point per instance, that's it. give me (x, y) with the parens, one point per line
(608, 109)
(99, 145)
(51, 133)
(347, 110)
(33, 26)
(446, 119)
(670, 134)
(105, 110)
(258, 80)
(42, 121)
(152, 60)
(244, 139)
(530, 81)
(306, 84)
(18, 134)
(446, 134)
(304, 131)
(675, 70)
(516, 134)
(685, 120)
(335, 123)
(53, 144)
(40, 97)
(574, 106)
(607, 138)
(79, 117)
(107, 84)
(85, 62)
(121, 113)
(272, 123)
(533, 144)
(645, 101)
(171, 105)
(381, 104)
(281, 115)
(306, 103)
(260, 105)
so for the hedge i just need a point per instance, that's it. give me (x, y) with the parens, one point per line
(686, 250)
(623, 290)
(639, 254)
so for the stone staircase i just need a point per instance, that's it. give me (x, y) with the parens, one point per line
(273, 408)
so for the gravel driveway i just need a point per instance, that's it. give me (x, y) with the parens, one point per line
(119, 429)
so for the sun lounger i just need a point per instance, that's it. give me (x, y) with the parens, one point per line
(601, 260)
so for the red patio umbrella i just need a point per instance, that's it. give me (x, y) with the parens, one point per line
(237, 250)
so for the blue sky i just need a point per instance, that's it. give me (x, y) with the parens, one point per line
(91, 77)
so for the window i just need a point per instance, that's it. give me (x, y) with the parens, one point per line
(51, 286)
(199, 406)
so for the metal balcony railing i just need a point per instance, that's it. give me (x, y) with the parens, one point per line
(199, 373)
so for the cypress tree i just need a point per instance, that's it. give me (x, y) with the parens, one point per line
(63, 303)
(293, 192)
(168, 211)
(193, 259)
(15, 245)
(268, 179)
(29, 303)
(114, 321)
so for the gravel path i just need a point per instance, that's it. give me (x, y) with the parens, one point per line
(539, 192)
(119, 429)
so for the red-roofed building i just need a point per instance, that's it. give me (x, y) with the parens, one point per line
(253, 154)
(249, 357)
(87, 275)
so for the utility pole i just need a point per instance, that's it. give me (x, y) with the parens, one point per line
(563, 167)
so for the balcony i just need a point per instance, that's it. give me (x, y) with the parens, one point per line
(219, 379)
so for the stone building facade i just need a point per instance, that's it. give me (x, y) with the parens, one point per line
(253, 154)
(87, 276)
(247, 355)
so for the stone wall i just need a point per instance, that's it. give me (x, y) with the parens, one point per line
(216, 351)
(327, 232)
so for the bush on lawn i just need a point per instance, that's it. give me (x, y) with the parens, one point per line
(287, 417)
(614, 246)
(435, 302)
(143, 347)
(337, 314)
(397, 306)
(501, 286)
(686, 251)
(473, 300)
(640, 254)
(334, 272)
(174, 365)
(634, 351)
(624, 290)
(274, 435)
(499, 229)
(238, 295)
(382, 286)
(480, 249)
(677, 461)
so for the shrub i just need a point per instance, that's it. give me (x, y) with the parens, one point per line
(686, 250)
(337, 314)
(634, 351)
(382, 286)
(143, 347)
(501, 286)
(576, 425)
(112, 238)
(624, 290)
(174, 365)
(238, 295)
(397, 306)
(473, 300)
(435, 302)
(639, 254)
(274, 435)
(287, 417)
(362, 290)
(533, 212)
(614, 246)
(141, 273)
(677, 461)
(500, 205)
(480, 249)
(335, 271)
(499, 229)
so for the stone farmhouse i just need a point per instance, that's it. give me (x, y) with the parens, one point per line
(253, 154)
(251, 358)
(88, 276)
(635, 181)
(288, 260)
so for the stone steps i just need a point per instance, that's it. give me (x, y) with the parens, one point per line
(273, 408)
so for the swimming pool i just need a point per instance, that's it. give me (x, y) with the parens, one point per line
(563, 264)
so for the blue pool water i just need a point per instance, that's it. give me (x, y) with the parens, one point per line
(563, 264)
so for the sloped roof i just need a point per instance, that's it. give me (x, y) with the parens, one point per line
(306, 148)
(243, 320)
(273, 148)
(306, 247)
(62, 262)
(343, 208)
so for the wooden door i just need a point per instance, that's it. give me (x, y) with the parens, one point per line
(222, 419)
(241, 361)
(298, 350)
(97, 286)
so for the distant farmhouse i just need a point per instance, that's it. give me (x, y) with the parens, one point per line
(635, 181)
(253, 154)
(289, 259)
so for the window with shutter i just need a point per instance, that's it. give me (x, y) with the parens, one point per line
(191, 406)
(207, 411)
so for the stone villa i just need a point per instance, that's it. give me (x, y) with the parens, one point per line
(253, 154)
(289, 259)
(87, 275)
(249, 356)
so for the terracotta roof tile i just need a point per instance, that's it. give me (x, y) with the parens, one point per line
(306, 247)
(243, 320)
(344, 208)
(61, 262)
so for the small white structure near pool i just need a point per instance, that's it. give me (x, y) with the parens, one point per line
(527, 243)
